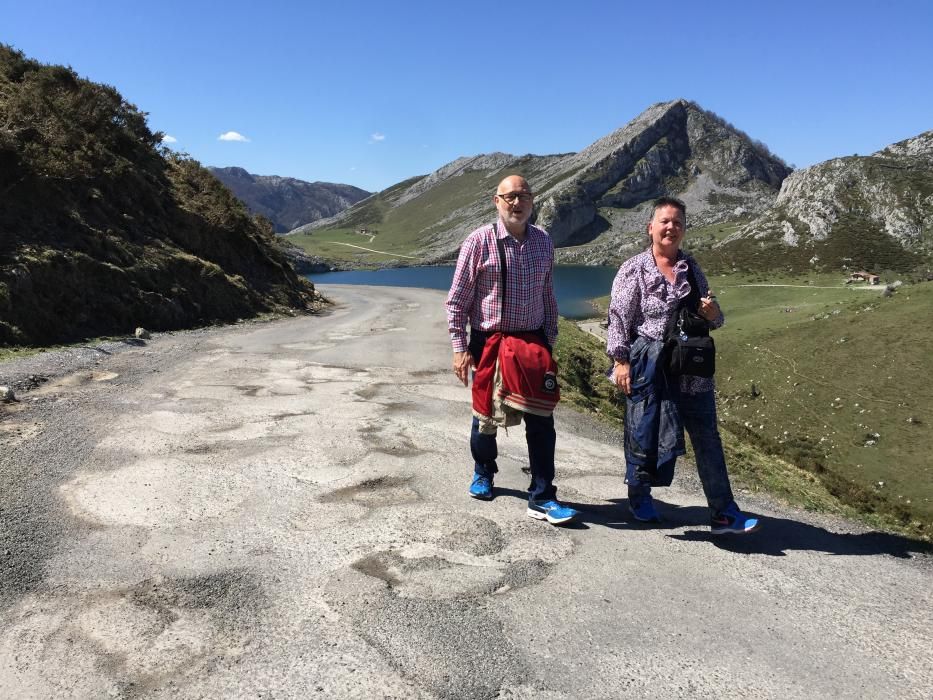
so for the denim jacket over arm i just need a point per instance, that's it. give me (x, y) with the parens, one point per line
(654, 435)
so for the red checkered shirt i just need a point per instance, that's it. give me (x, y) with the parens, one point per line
(476, 295)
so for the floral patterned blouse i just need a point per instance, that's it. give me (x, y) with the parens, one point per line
(643, 301)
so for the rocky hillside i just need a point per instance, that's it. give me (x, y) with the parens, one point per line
(595, 197)
(871, 212)
(288, 203)
(101, 231)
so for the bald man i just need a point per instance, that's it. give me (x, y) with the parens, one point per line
(529, 305)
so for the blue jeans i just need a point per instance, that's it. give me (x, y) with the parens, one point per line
(698, 413)
(541, 438)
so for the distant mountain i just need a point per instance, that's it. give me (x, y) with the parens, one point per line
(596, 197)
(288, 203)
(872, 212)
(102, 230)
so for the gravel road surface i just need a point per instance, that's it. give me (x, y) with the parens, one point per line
(280, 510)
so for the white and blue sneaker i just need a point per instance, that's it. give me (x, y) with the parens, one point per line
(481, 487)
(552, 511)
(732, 520)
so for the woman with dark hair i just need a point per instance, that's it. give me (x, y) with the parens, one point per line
(648, 290)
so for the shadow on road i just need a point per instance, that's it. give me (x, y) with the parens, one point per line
(776, 537)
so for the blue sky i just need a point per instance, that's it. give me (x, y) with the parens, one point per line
(371, 93)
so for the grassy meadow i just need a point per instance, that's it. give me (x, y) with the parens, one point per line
(824, 394)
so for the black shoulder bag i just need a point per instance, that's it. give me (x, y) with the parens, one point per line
(688, 347)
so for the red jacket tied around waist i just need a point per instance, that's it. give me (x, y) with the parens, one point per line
(515, 371)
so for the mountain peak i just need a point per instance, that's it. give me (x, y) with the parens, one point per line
(674, 148)
(286, 201)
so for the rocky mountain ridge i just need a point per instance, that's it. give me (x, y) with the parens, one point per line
(595, 196)
(861, 211)
(286, 201)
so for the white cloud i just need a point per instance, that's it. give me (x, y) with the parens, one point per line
(377, 137)
(232, 136)
(169, 139)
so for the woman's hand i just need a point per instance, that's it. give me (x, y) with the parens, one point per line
(620, 376)
(709, 307)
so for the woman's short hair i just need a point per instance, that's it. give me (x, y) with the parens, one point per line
(667, 201)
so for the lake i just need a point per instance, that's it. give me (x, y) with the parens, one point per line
(574, 285)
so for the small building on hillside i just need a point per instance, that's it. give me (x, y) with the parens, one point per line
(863, 276)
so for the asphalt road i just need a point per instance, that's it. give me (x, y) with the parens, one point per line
(280, 510)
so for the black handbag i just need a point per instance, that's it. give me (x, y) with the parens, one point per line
(688, 347)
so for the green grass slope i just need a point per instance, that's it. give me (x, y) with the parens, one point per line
(409, 231)
(838, 384)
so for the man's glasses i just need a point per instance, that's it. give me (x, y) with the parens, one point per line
(511, 197)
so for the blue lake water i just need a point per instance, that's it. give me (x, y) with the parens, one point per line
(574, 285)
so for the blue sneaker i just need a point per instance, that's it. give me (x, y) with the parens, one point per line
(481, 487)
(552, 511)
(643, 510)
(732, 520)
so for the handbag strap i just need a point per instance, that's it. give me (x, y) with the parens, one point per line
(500, 244)
(690, 303)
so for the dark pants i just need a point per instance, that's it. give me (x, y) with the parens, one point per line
(698, 413)
(539, 434)
(541, 438)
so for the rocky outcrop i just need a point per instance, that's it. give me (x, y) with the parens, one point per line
(287, 202)
(300, 260)
(852, 210)
(674, 148)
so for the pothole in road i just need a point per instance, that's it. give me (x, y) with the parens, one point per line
(128, 641)
(400, 407)
(453, 555)
(390, 442)
(424, 373)
(17, 432)
(435, 574)
(381, 492)
(368, 392)
(155, 492)
(73, 381)
(431, 571)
